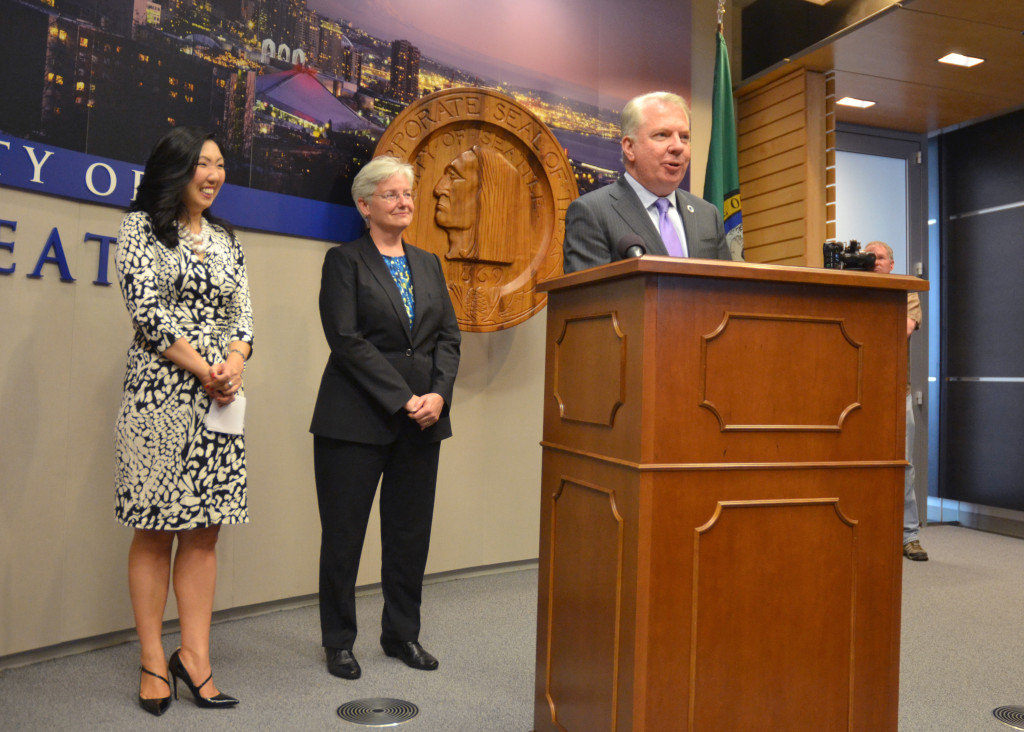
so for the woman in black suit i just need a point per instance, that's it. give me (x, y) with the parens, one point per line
(382, 410)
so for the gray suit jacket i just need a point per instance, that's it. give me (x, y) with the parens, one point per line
(596, 221)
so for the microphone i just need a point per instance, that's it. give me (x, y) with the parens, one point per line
(630, 246)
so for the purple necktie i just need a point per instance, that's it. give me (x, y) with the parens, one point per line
(668, 231)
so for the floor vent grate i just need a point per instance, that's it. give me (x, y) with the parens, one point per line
(1012, 716)
(378, 712)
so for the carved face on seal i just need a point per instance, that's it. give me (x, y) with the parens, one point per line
(457, 192)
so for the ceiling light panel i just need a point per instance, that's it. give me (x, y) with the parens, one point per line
(958, 59)
(852, 102)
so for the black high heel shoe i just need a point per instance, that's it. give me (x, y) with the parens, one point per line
(178, 671)
(156, 707)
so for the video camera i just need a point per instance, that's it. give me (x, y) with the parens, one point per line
(843, 255)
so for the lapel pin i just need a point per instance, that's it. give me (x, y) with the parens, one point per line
(689, 208)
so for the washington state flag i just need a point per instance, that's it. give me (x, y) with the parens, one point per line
(722, 178)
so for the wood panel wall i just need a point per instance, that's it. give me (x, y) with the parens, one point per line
(781, 139)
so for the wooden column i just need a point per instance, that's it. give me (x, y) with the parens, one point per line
(781, 130)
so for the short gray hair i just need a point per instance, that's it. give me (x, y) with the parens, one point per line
(379, 169)
(633, 113)
(883, 245)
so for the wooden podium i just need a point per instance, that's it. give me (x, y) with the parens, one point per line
(722, 499)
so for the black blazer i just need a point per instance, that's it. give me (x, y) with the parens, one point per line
(596, 221)
(376, 363)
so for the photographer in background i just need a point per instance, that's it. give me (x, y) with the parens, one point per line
(911, 523)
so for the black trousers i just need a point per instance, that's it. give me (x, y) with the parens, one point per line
(347, 474)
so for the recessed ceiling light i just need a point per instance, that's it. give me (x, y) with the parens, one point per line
(958, 59)
(851, 102)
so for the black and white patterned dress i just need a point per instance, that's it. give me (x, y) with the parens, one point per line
(171, 472)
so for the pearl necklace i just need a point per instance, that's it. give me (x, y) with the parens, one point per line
(199, 243)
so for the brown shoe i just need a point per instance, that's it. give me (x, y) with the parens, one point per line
(912, 550)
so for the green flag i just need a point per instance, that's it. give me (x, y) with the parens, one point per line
(722, 179)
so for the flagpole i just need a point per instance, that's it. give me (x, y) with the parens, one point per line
(722, 180)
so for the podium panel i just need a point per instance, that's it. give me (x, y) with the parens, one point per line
(721, 499)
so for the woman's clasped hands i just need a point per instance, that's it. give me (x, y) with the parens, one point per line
(425, 410)
(223, 382)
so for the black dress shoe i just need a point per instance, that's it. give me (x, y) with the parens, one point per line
(178, 671)
(411, 654)
(341, 663)
(157, 706)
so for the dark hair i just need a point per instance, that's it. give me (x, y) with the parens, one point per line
(169, 169)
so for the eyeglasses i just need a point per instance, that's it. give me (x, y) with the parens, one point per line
(393, 196)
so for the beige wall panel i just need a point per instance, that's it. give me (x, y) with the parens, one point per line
(36, 357)
(95, 545)
(281, 381)
(487, 504)
(64, 557)
(703, 47)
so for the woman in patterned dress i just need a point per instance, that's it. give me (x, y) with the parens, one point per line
(381, 414)
(182, 275)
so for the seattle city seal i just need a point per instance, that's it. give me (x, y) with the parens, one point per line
(493, 185)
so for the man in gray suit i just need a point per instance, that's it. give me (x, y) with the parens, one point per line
(646, 202)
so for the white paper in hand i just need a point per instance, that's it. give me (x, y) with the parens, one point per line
(229, 419)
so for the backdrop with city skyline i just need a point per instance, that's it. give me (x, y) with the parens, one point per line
(299, 91)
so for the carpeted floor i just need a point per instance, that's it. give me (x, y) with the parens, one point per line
(962, 642)
(274, 664)
(962, 645)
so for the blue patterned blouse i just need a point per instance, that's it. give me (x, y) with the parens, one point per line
(399, 267)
